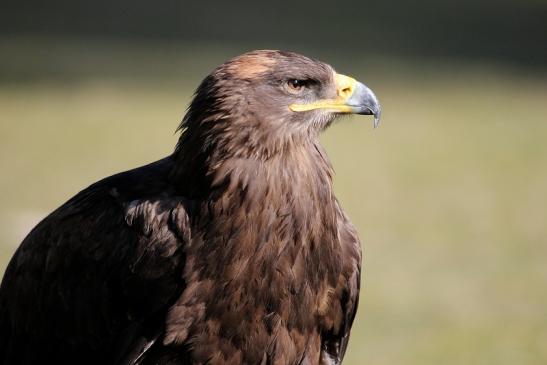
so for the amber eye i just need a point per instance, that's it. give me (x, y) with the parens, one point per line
(296, 85)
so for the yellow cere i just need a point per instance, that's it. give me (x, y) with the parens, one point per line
(345, 86)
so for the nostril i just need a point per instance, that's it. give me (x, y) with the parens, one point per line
(345, 91)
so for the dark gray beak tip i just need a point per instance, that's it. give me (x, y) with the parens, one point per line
(375, 111)
(367, 103)
(377, 115)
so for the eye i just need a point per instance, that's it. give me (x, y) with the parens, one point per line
(296, 85)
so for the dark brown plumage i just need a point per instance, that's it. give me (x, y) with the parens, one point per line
(233, 250)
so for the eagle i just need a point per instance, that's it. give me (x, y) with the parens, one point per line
(231, 250)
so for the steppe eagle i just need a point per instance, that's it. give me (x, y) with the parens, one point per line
(232, 250)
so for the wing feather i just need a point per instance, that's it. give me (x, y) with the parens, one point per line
(97, 273)
(335, 340)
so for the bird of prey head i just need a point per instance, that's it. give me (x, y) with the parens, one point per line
(264, 100)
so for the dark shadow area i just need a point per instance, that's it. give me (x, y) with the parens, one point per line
(510, 31)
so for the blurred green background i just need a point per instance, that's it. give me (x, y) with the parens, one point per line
(449, 194)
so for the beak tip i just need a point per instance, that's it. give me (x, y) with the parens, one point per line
(377, 115)
(367, 103)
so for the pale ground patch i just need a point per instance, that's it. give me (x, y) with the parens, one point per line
(24, 222)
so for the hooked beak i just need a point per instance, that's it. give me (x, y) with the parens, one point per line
(353, 97)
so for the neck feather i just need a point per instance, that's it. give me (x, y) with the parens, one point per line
(216, 149)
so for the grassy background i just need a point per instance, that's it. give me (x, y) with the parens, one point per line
(449, 194)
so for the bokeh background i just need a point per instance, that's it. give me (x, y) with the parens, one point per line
(449, 194)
